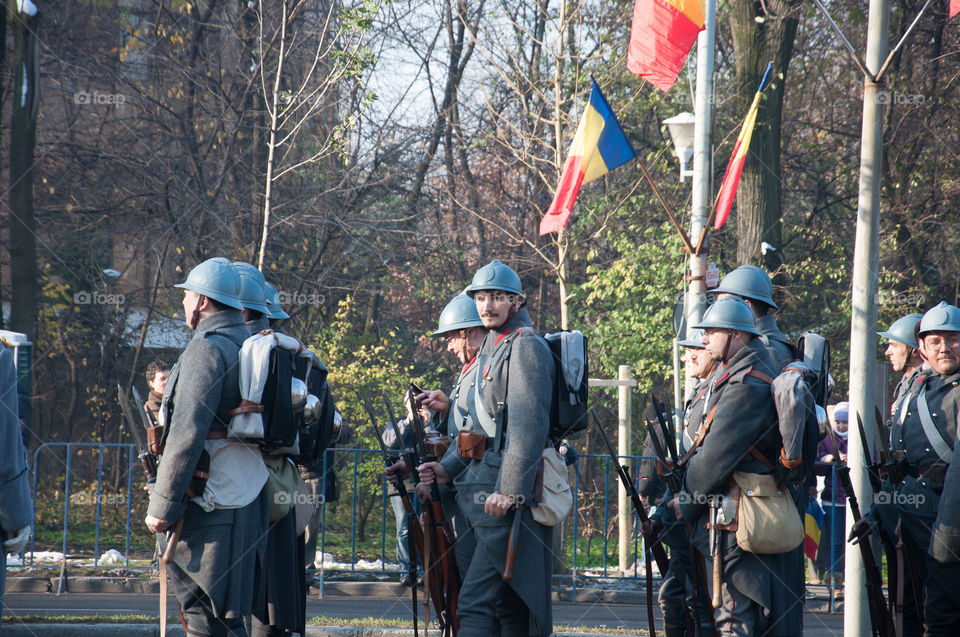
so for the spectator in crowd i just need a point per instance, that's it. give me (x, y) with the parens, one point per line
(834, 499)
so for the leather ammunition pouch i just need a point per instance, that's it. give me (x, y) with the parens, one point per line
(471, 445)
(437, 445)
(155, 439)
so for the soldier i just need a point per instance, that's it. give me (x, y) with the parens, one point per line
(753, 285)
(902, 350)
(16, 509)
(254, 297)
(281, 607)
(738, 433)
(943, 585)
(460, 326)
(926, 440)
(676, 589)
(495, 469)
(223, 523)
(904, 359)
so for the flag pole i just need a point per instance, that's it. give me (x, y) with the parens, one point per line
(666, 209)
(863, 320)
(696, 300)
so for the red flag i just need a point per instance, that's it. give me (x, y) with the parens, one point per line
(731, 178)
(661, 37)
(954, 8)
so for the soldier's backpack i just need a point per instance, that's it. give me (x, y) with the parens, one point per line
(568, 409)
(800, 393)
(318, 422)
(266, 413)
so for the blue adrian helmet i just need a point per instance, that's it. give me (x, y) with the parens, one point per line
(459, 314)
(729, 313)
(217, 279)
(902, 330)
(274, 308)
(495, 276)
(750, 282)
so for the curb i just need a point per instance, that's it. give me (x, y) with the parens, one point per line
(388, 590)
(175, 630)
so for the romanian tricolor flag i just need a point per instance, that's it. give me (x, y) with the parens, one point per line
(731, 178)
(812, 523)
(599, 146)
(661, 37)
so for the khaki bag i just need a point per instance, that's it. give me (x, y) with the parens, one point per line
(768, 520)
(283, 486)
(556, 497)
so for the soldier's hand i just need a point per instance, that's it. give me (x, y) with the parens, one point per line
(398, 470)
(860, 530)
(498, 504)
(430, 471)
(16, 542)
(156, 525)
(423, 492)
(674, 504)
(651, 528)
(435, 400)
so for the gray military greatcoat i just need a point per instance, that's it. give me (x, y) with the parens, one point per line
(745, 416)
(516, 386)
(218, 550)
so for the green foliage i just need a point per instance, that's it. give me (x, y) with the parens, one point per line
(629, 300)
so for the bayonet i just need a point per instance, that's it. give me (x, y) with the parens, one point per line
(147, 459)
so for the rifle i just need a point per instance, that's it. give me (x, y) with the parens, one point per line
(650, 540)
(147, 459)
(437, 534)
(904, 554)
(880, 621)
(873, 468)
(416, 537)
(673, 476)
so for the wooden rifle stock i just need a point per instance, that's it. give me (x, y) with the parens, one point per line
(512, 545)
(652, 542)
(880, 620)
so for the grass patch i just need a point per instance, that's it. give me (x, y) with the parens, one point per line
(85, 619)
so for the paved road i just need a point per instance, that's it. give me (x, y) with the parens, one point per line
(564, 613)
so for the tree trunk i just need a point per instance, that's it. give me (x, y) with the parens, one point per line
(759, 196)
(23, 133)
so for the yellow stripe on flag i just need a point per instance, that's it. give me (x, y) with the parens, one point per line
(693, 9)
(585, 145)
